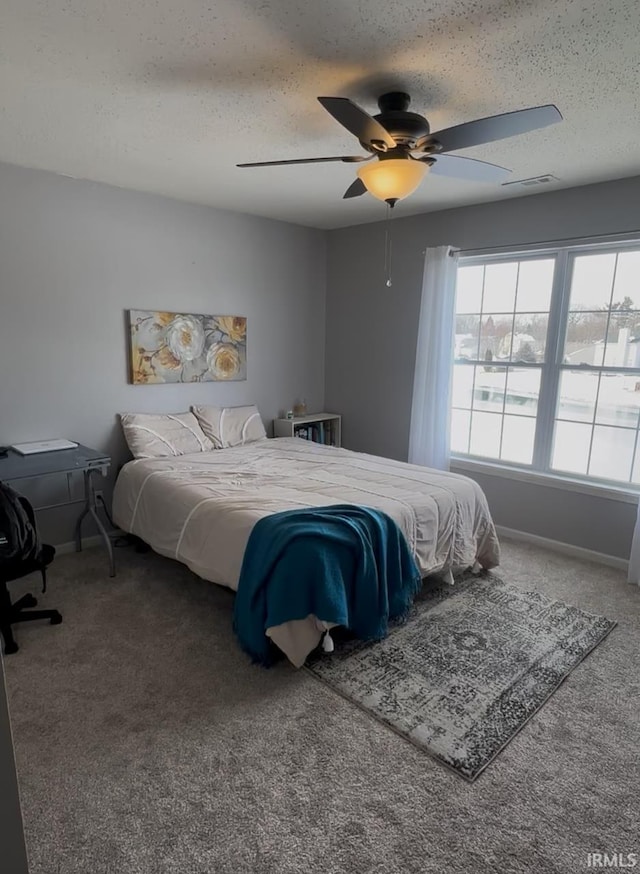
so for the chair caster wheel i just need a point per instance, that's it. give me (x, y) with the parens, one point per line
(30, 601)
(10, 648)
(56, 619)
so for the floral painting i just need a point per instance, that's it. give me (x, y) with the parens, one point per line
(184, 347)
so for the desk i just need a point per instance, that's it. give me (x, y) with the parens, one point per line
(65, 461)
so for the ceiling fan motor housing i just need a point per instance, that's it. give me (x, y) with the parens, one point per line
(408, 129)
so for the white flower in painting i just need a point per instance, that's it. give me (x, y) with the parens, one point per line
(223, 361)
(185, 338)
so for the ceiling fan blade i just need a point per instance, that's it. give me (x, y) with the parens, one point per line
(355, 189)
(496, 127)
(348, 159)
(469, 168)
(358, 122)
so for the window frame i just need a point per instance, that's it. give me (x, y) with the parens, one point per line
(565, 253)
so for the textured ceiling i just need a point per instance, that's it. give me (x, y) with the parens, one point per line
(167, 96)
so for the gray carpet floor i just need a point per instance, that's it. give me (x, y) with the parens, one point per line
(147, 743)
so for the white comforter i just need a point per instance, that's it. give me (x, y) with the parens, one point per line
(201, 508)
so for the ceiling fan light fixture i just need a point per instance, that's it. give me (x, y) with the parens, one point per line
(392, 178)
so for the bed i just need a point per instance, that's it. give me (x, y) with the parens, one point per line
(200, 509)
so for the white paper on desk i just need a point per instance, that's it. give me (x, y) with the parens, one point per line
(43, 446)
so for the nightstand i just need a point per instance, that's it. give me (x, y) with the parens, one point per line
(322, 428)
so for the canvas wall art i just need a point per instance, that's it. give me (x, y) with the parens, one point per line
(186, 347)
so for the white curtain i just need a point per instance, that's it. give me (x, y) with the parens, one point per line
(634, 558)
(430, 415)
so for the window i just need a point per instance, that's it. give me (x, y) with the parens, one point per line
(547, 361)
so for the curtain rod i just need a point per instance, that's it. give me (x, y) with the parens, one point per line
(620, 235)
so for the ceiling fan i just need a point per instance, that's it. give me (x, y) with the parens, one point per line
(406, 150)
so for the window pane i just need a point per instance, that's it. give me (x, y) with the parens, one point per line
(571, 447)
(618, 400)
(592, 281)
(577, 395)
(612, 453)
(585, 338)
(462, 387)
(460, 422)
(466, 338)
(627, 282)
(469, 289)
(500, 287)
(523, 389)
(535, 281)
(489, 390)
(623, 334)
(485, 434)
(529, 337)
(517, 439)
(495, 337)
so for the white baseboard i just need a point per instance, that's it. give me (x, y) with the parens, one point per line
(87, 543)
(565, 548)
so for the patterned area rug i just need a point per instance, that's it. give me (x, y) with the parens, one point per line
(473, 662)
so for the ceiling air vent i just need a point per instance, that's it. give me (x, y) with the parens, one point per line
(547, 179)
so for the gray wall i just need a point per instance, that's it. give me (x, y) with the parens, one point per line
(74, 255)
(372, 331)
(14, 857)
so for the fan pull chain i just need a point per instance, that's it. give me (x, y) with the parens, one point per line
(387, 247)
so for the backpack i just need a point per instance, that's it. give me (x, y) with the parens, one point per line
(19, 540)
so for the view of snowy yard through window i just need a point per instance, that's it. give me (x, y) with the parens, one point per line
(547, 362)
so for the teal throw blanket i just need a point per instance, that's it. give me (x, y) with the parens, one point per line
(345, 564)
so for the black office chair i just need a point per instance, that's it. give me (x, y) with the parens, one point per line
(14, 570)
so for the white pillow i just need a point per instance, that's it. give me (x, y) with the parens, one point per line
(230, 426)
(156, 435)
